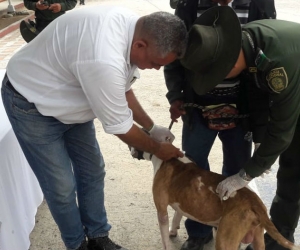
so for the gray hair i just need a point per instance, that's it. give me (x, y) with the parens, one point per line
(167, 32)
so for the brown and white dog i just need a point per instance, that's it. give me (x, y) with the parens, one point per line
(190, 191)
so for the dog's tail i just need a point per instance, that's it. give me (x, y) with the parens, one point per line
(272, 230)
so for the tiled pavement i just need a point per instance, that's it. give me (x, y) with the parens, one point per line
(10, 44)
(13, 41)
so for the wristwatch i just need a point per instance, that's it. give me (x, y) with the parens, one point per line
(244, 175)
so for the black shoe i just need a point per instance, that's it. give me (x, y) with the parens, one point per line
(249, 247)
(195, 243)
(83, 246)
(103, 243)
(271, 244)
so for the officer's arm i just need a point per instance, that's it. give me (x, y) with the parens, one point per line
(174, 77)
(283, 115)
(259, 112)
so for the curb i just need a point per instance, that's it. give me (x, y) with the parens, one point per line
(14, 26)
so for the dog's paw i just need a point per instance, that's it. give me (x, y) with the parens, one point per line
(173, 233)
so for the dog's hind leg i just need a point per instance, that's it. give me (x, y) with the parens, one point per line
(163, 220)
(258, 240)
(175, 224)
(230, 233)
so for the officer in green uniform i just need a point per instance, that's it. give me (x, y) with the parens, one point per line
(267, 58)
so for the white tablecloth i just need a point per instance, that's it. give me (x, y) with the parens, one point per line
(20, 193)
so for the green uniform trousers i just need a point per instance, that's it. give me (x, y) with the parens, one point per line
(285, 208)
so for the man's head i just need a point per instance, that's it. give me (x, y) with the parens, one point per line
(159, 39)
(214, 48)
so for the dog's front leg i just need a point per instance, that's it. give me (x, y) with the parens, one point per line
(163, 220)
(175, 224)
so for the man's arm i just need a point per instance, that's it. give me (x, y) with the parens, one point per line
(157, 132)
(138, 139)
(174, 77)
(139, 114)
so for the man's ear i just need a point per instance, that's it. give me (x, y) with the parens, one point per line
(139, 44)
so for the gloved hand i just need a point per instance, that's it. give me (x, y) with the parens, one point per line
(229, 185)
(161, 134)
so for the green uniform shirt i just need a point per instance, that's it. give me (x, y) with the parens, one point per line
(277, 80)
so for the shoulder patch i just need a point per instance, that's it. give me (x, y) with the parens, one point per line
(277, 79)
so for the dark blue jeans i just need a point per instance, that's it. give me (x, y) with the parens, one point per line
(68, 164)
(197, 143)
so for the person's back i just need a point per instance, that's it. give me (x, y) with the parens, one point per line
(63, 59)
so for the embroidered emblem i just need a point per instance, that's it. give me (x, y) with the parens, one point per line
(277, 79)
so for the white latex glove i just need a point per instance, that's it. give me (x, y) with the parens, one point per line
(161, 134)
(230, 185)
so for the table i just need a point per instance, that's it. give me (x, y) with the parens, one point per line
(20, 193)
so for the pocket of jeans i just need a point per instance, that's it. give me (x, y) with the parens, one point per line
(20, 104)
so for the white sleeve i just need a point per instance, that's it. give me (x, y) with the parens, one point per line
(104, 86)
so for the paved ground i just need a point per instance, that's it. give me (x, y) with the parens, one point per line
(128, 182)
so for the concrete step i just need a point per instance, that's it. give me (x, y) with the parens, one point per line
(14, 26)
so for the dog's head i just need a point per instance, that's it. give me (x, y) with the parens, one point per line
(140, 155)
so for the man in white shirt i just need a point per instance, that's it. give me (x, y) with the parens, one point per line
(79, 68)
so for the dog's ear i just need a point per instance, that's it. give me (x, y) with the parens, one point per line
(137, 154)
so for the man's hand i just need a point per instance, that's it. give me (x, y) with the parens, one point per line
(230, 185)
(222, 2)
(56, 7)
(176, 110)
(161, 134)
(166, 151)
(40, 6)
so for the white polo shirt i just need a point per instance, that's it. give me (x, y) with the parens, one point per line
(79, 68)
